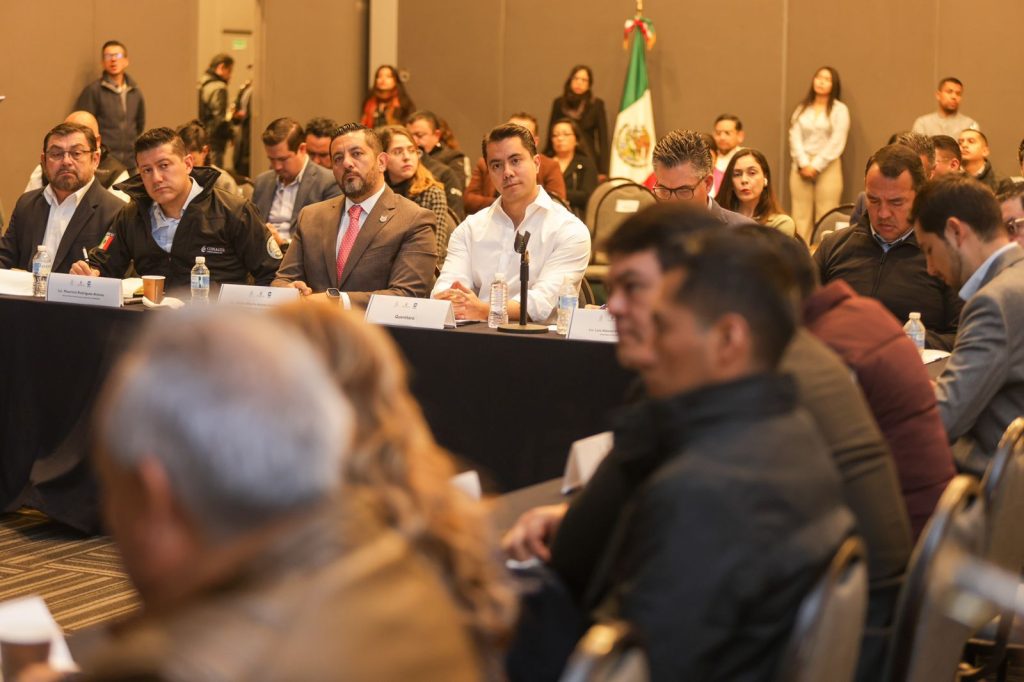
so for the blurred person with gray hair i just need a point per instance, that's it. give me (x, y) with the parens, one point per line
(221, 464)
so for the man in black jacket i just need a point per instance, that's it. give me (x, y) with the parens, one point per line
(72, 212)
(213, 105)
(175, 215)
(880, 257)
(116, 102)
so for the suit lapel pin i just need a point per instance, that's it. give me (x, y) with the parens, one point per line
(383, 218)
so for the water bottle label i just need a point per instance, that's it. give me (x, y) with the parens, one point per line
(567, 301)
(200, 281)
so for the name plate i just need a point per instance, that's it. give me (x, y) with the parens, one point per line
(101, 291)
(584, 457)
(592, 324)
(256, 297)
(403, 311)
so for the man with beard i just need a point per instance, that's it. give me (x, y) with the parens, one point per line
(368, 241)
(72, 212)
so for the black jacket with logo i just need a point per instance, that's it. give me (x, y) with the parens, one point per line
(224, 228)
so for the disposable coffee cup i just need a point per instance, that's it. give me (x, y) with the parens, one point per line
(153, 288)
(18, 650)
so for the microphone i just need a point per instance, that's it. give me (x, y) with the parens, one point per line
(519, 244)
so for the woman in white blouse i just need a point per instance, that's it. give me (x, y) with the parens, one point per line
(817, 137)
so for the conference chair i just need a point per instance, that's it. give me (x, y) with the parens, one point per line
(927, 643)
(586, 294)
(1002, 490)
(825, 640)
(827, 223)
(608, 207)
(608, 652)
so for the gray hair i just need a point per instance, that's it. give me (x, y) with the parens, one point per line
(683, 146)
(237, 409)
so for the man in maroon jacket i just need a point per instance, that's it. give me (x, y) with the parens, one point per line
(890, 372)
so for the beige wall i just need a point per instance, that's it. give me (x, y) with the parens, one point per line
(47, 61)
(504, 55)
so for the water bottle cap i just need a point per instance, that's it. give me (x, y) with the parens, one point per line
(915, 316)
(200, 260)
(43, 248)
(499, 277)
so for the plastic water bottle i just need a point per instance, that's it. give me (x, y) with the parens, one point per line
(200, 281)
(914, 328)
(568, 299)
(499, 302)
(41, 266)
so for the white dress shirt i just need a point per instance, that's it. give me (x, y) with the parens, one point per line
(816, 139)
(284, 203)
(60, 215)
(483, 244)
(164, 228)
(973, 283)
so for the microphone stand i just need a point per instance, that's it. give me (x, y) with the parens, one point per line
(523, 327)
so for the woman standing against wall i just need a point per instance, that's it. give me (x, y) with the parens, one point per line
(578, 104)
(817, 137)
(386, 103)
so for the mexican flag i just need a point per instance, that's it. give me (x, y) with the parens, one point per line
(633, 140)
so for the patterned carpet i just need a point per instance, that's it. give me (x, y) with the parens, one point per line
(80, 578)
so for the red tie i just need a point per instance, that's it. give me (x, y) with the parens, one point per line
(349, 239)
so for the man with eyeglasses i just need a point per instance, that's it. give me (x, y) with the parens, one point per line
(683, 172)
(292, 183)
(1011, 203)
(965, 239)
(368, 241)
(73, 211)
(116, 102)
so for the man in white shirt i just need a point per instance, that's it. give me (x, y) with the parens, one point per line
(947, 120)
(729, 137)
(483, 244)
(293, 182)
(965, 239)
(72, 212)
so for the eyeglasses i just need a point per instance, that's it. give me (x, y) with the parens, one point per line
(57, 155)
(406, 151)
(1014, 225)
(563, 135)
(683, 192)
(113, 55)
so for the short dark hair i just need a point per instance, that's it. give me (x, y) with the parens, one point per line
(658, 227)
(730, 117)
(507, 131)
(321, 127)
(581, 147)
(794, 254)
(728, 273)
(221, 58)
(194, 136)
(950, 145)
(526, 116)
(980, 134)
(683, 146)
(65, 129)
(1020, 153)
(424, 115)
(921, 144)
(961, 197)
(114, 43)
(284, 130)
(369, 134)
(1010, 189)
(893, 159)
(950, 79)
(155, 137)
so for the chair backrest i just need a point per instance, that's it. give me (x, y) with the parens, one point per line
(608, 652)
(829, 625)
(828, 222)
(1003, 491)
(586, 294)
(927, 644)
(608, 207)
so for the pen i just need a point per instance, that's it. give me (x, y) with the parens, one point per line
(85, 254)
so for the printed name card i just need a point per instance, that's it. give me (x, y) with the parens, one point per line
(592, 324)
(100, 291)
(584, 457)
(627, 205)
(256, 297)
(402, 311)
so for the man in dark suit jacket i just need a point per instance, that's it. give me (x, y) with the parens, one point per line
(961, 231)
(71, 213)
(369, 241)
(683, 172)
(293, 182)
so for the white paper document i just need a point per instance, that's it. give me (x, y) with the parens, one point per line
(584, 457)
(15, 283)
(30, 613)
(929, 355)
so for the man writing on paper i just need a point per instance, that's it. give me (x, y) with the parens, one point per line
(368, 241)
(175, 215)
(482, 244)
(72, 212)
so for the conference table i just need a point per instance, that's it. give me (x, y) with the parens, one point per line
(508, 406)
